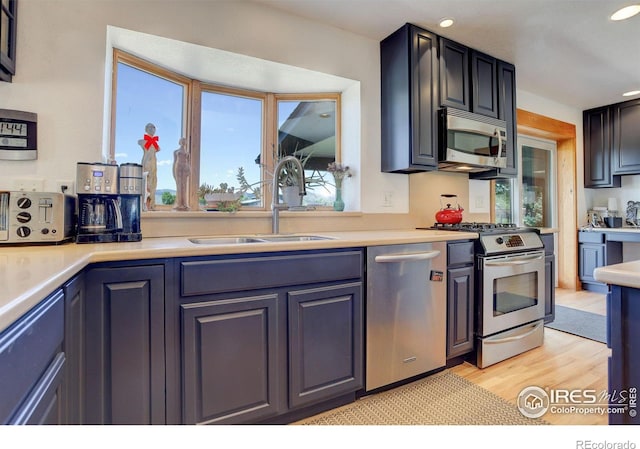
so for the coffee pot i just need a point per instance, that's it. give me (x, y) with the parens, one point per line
(108, 202)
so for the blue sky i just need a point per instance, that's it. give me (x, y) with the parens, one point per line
(231, 128)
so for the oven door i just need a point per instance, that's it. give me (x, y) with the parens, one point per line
(512, 289)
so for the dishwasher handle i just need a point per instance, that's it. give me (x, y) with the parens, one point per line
(407, 257)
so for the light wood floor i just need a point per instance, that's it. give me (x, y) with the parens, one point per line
(564, 361)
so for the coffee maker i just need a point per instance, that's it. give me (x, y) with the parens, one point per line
(130, 187)
(108, 204)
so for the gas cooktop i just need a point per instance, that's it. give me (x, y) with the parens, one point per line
(476, 227)
(495, 238)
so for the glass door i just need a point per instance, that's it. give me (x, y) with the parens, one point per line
(529, 199)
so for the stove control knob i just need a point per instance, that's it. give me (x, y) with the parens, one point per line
(499, 240)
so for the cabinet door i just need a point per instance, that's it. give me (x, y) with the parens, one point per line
(460, 311)
(125, 362)
(626, 138)
(74, 382)
(230, 356)
(484, 85)
(31, 362)
(454, 75)
(409, 100)
(507, 112)
(597, 149)
(325, 342)
(592, 256)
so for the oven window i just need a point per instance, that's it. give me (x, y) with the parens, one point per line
(515, 292)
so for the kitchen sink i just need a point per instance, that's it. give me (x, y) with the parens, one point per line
(224, 240)
(294, 238)
(256, 239)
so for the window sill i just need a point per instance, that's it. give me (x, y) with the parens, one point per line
(246, 214)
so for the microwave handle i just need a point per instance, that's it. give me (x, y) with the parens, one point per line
(497, 134)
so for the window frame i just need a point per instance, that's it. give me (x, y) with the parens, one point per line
(192, 121)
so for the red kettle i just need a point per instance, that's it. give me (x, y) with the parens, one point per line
(449, 215)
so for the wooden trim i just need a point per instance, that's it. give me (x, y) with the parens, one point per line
(193, 142)
(532, 124)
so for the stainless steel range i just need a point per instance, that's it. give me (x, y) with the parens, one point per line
(510, 289)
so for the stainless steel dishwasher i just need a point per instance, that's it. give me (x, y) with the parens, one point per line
(406, 311)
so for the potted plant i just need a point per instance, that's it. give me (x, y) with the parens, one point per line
(222, 198)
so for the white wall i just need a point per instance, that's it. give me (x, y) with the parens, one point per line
(61, 53)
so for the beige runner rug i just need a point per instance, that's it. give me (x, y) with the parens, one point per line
(441, 399)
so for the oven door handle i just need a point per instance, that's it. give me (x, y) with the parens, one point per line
(409, 257)
(515, 337)
(522, 261)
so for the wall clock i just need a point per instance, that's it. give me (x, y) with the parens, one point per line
(18, 135)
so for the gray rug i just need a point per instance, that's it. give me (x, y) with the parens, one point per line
(583, 324)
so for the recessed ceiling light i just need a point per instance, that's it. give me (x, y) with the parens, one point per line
(631, 93)
(446, 23)
(626, 12)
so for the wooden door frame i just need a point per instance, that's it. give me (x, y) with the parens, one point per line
(564, 134)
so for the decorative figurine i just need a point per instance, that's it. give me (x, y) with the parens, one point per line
(150, 147)
(181, 173)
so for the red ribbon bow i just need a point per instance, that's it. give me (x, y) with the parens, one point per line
(151, 140)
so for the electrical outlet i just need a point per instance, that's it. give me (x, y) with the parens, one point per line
(387, 199)
(28, 185)
(65, 186)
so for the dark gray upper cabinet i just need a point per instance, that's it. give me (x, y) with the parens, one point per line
(454, 75)
(597, 149)
(507, 112)
(8, 25)
(484, 87)
(422, 72)
(409, 100)
(625, 126)
(611, 143)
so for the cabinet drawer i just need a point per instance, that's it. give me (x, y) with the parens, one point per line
(591, 237)
(228, 274)
(27, 349)
(460, 253)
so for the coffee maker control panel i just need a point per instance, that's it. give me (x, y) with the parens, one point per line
(97, 179)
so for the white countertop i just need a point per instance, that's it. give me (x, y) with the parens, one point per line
(29, 273)
(624, 229)
(626, 274)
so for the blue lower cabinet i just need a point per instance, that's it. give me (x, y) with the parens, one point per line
(325, 342)
(255, 355)
(623, 334)
(125, 345)
(231, 352)
(32, 365)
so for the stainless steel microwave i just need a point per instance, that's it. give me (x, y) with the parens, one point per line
(471, 142)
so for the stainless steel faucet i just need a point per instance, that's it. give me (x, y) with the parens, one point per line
(275, 202)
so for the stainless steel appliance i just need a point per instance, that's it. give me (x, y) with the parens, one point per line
(130, 187)
(109, 202)
(406, 312)
(472, 142)
(99, 217)
(37, 217)
(510, 290)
